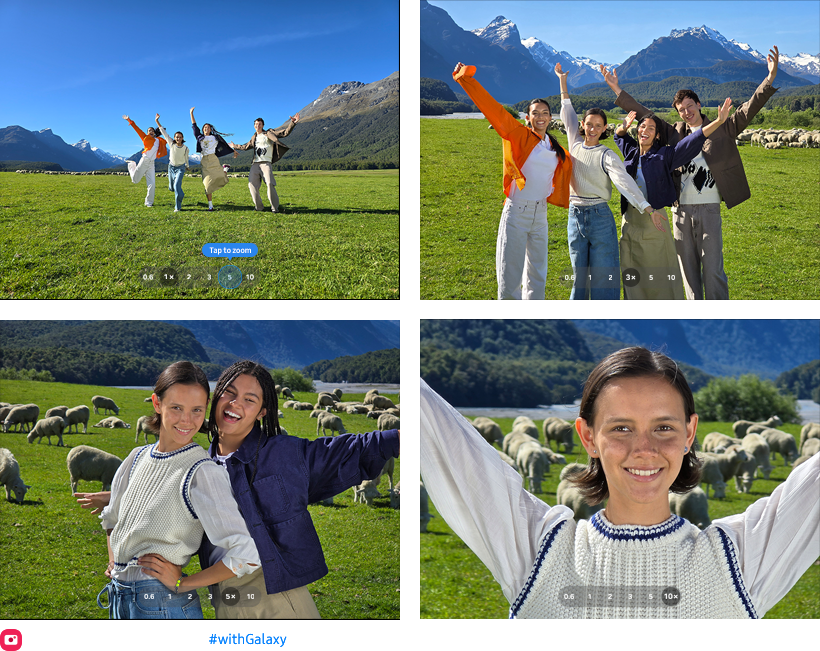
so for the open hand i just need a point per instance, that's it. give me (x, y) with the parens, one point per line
(629, 119)
(158, 568)
(657, 215)
(96, 501)
(294, 118)
(124, 117)
(772, 60)
(723, 111)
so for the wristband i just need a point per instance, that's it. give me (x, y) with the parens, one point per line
(179, 582)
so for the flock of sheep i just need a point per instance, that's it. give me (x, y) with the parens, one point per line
(90, 464)
(744, 457)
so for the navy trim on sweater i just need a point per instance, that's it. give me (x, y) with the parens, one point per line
(636, 532)
(539, 559)
(737, 578)
(186, 486)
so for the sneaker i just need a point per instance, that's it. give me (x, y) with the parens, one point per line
(176, 209)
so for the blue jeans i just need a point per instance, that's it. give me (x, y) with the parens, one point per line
(148, 599)
(175, 174)
(593, 250)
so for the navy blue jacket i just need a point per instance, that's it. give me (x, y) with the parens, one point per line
(291, 473)
(657, 165)
(222, 147)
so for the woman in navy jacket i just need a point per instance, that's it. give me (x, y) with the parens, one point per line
(274, 477)
(649, 264)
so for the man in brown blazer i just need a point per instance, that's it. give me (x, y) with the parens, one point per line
(267, 149)
(714, 176)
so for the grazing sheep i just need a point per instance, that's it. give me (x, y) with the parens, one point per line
(355, 409)
(758, 448)
(331, 422)
(554, 457)
(289, 403)
(374, 413)
(424, 507)
(325, 400)
(569, 494)
(489, 430)
(337, 393)
(692, 506)
(142, 427)
(781, 442)
(10, 476)
(506, 459)
(532, 463)
(381, 402)
(48, 427)
(303, 406)
(21, 414)
(368, 397)
(287, 392)
(741, 427)
(4, 411)
(717, 442)
(810, 448)
(526, 426)
(76, 416)
(394, 410)
(91, 464)
(809, 431)
(368, 490)
(57, 411)
(315, 413)
(101, 402)
(513, 441)
(560, 431)
(718, 468)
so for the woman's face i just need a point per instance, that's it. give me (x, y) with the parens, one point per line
(647, 132)
(182, 410)
(539, 114)
(639, 434)
(206, 130)
(239, 407)
(178, 139)
(593, 127)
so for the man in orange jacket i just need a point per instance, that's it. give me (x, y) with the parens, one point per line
(537, 171)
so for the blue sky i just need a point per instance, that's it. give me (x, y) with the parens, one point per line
(621, 29)
(77, 67)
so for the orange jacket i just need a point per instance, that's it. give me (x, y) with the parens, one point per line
(519, 140)
(148, 141)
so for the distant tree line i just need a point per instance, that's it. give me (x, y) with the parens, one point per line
(25, 374)
(744, 398)
(292, 379)
(378, 366)
(11, 165)
(802, 381)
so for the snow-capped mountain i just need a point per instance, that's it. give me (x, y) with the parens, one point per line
(109, 159)
(582, 70)
(502, 32)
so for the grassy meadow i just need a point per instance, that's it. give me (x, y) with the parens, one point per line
(54, 552)
(455, 584)
(771, 241)
(91, 237)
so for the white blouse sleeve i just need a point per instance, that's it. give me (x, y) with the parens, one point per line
(778, 537)
(570, 120)
(480, 496)
(626, 185)
(216, 508)
(110, 514)
(166, 136)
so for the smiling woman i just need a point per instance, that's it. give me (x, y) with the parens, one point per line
(634, 559)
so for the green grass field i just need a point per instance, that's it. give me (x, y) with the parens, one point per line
(455, 584)
(54, 552)
(771, 241)
(77, 237)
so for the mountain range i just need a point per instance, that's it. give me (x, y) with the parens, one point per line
(512, 68)
(351, 120)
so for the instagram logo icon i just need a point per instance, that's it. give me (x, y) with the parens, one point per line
(11, 639)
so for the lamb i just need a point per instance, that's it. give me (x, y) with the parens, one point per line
(21, 414)
(57, 411)
(91, 464)
(758, 451)
(331, 422)
(48, 427)
(692, 506)
(741, 427)
(113, 422)
(809, 431)
(75, 416)
(10, 476)
(717, 442)
(424, 507)
(101, 402)
(369, 489)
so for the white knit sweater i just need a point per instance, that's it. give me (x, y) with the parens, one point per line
(740, 566)
(599, 570)
(155, 512)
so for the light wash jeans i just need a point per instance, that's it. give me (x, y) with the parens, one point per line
(593, 250)
(148, 599)
(175, 175)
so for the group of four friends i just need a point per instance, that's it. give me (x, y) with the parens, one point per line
(266, 145)
(693, 165)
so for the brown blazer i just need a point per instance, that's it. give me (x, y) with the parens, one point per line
(273, 135)
(720, 150)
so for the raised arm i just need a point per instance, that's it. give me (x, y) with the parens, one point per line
(723, 114)
(502, 121)
(568, 115)
(193, 121)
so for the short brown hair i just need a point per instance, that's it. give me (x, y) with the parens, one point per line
(631, 363)
(682, 94)
(178, 373)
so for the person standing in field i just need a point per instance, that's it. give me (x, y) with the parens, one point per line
(153, 147)
(715, 175)
(177, 163)
(212, 145)
(267, 149)
(537, 170)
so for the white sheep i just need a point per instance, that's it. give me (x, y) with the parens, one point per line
(692, 506)
(489, 430)
(554, 457)
(101, 402)
(325, 400)
(145, 429)
(717, 442)
(507, 459)
(513, 441)
(718, 468)
(287, 392)
(380, 402)
(388, 421)
(741, 427)
(809, 431)
(57, 411)
(10, 476)
(113, 422)
(368, 490)
(526, 425)
(22, 415)
(560, 431)
(337, 393)
(532, 463)
(91, 464)
(810, 448)
(355, 409)
(303, 406)
(4, 411)
(48, 427)
(570, 495)
(288, 404)
(758, 448)
(331, 422)
(781, 442)
(75, 416)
